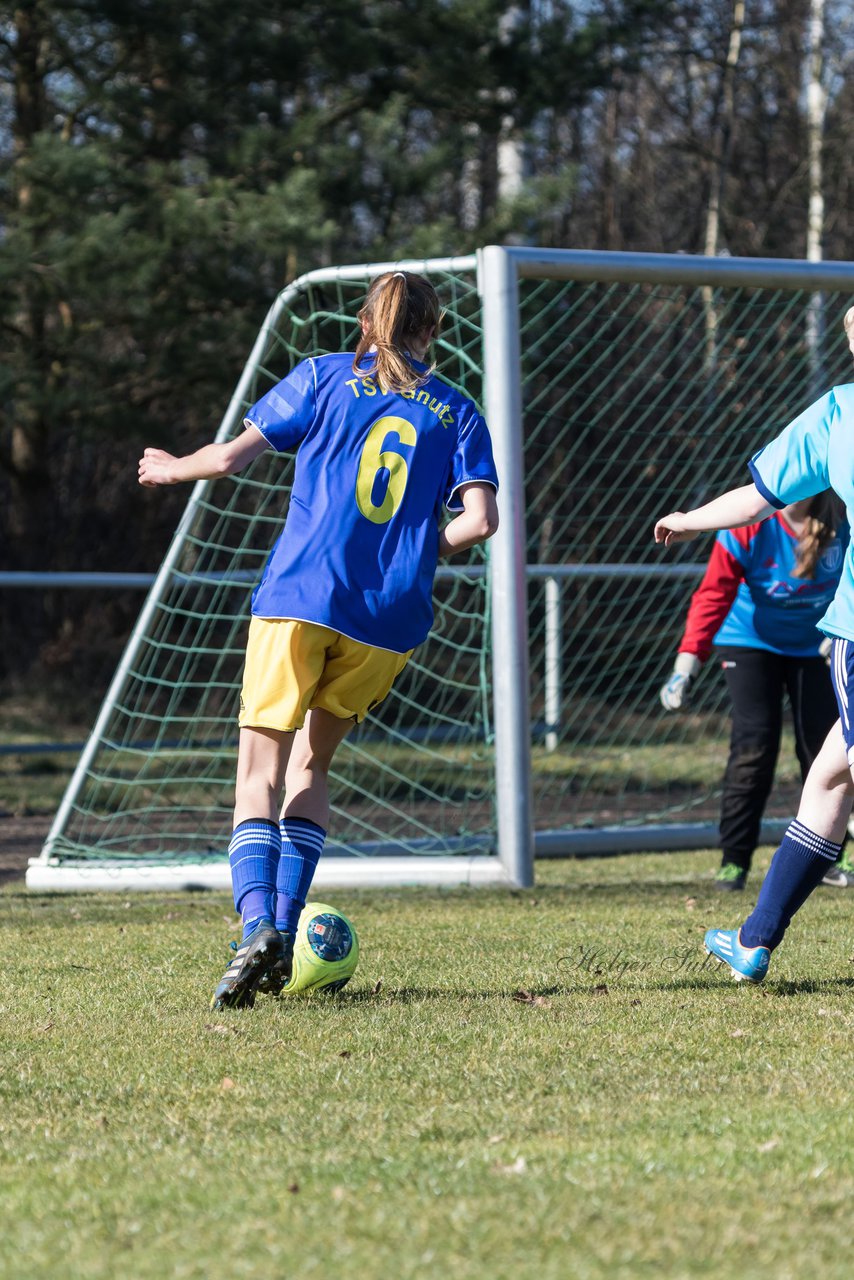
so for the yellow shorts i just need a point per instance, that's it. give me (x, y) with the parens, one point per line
(293, 667)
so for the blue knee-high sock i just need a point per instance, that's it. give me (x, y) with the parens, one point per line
(797, 867)
(302, 845)
(253, 854)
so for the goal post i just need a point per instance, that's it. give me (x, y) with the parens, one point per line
(615, 386)
(499, 290)
(100, 839)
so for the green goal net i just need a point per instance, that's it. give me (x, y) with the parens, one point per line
(638, 396)
(642, 398)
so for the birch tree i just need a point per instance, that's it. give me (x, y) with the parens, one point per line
(816, 105)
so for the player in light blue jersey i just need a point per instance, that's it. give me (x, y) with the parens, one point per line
(384, 448)
(813, 453)
(765, 587)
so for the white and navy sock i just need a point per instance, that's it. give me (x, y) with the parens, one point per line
(302, 845)
(797, 867)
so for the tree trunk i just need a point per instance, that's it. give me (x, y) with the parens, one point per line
(721, 148)
(27, 457)
(816, 106)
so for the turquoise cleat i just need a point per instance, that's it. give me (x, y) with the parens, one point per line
(748, 964)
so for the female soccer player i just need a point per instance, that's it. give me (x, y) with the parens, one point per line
(813, 453)
(383, 447)
(765, 588)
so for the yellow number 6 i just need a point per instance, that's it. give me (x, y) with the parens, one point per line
(373, 459)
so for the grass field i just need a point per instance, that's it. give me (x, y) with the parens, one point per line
(549, 1084)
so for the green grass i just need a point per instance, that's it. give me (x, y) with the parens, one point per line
(630, 1113)
(30, 782)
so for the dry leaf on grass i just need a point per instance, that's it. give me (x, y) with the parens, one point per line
(528, 997)
(226, 1083)
(601, 989)
(377, 987)
(765, 1147)
(690, 904)
(519, 1165)
(221, 1029)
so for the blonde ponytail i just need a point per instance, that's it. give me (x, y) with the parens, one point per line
(400, 306)
(826, 513)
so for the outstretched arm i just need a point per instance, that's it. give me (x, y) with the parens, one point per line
(477, 521)
(731, 510)
(157, 467)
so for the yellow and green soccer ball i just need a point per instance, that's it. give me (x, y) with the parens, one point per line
(326, 951)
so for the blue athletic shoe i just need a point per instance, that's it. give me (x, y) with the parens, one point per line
(748, 964)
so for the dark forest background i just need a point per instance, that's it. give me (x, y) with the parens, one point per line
(165, 169)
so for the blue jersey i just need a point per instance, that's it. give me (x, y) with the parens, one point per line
(374, 471)
(816, 452)
(772, 608)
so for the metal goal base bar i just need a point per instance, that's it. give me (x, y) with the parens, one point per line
(602, 842)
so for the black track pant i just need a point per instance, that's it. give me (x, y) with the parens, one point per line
(757, 681)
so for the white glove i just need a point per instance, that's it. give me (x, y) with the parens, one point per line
(676, 694)
(825, 649)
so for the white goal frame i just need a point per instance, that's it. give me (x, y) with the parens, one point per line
(499, 270)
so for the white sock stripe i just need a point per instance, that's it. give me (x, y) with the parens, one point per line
(805, 840)
(307, 829)
(298, 839)
(827, 851)
(240, 842)
(241, 853)
(798, 829)
(814, 843)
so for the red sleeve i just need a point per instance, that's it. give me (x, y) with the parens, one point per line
(711, 602)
